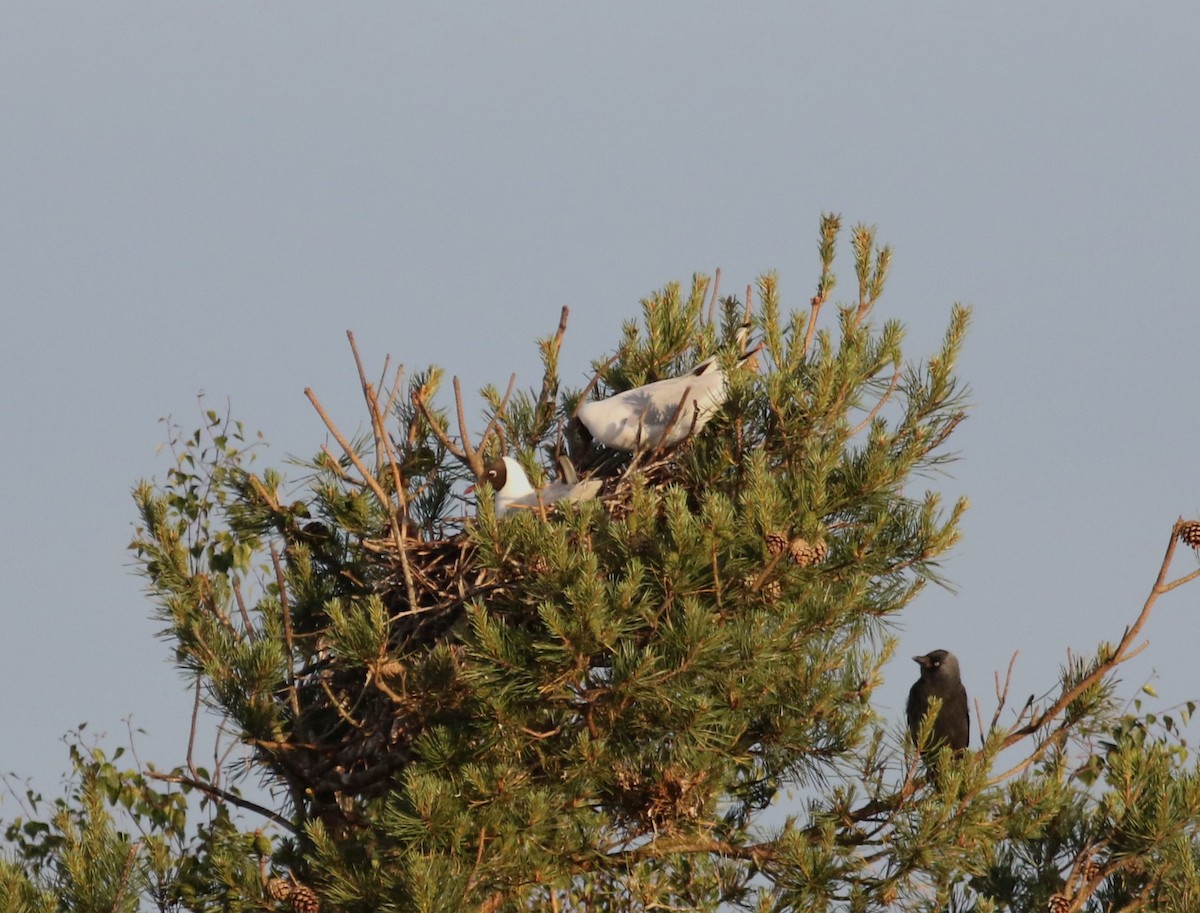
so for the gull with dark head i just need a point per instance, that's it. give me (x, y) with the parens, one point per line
(514, 491)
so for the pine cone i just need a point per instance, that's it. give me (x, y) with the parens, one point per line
(390, 668)
(304, 899)
(771, 591)
(1059, 903)
(1189, 533)
(806, 554)
(1091, 869)
(776, 542)
(279, 888)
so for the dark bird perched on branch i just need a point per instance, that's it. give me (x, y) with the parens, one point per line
(940, 679)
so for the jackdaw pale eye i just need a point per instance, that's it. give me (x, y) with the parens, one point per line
(940, 678)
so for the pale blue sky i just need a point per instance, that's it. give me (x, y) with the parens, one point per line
(204, 197)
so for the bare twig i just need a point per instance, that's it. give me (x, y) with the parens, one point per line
(594, 381)
(241, 604)
(712, 302)
(191, 747)
(1124, 651)
(224, 795)
(1002, 693)
(368, 478)
(471, 457)
(879, 405)
(398, 518)
(674, 417)
(554, 346)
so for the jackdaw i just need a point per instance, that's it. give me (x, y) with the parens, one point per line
(940, 679)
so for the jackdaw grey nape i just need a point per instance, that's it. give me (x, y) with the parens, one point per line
(940, 679)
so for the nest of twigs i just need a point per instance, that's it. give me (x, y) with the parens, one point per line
(355, 726)
(354, 722)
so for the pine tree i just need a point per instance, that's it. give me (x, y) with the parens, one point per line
(591, 707)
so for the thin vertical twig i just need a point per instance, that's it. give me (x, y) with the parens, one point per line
(398, 517)
(286, 611)
(712, 302)
(191, 746)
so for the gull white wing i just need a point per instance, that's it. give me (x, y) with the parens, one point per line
(637, 419)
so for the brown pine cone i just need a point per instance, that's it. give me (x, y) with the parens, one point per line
(1059, 903)
(806, 554)
(304, 899)
(1091, 869)
(1189, 533)
(771, 591)
(279, 888)
(776, 542)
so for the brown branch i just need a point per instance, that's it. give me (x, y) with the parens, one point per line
(225, 796)
(817, 301)
(1123, 652)
(418, 398)
(471, 457)
(879, 405)
(191, 747)
(369, 479)
(1002, 693)
(551, 348)
(471, 883)
(398, 518)
(712, 302)
(594, 381)
(369, 396)
(475, 456)
(662, 438)
(241, 604)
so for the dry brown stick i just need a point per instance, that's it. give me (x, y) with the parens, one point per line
(478, 859)
(288, 638)
(594, 381)
(241, 604)
(471, 457)
(337, 705)
(191, 746)
(811, 330)
(398, 518)
(368, 395)
(233, 799)
(879, 405)
(475, 455)
(418, 398)
(687, 391)
(1002, 691)
(553, 347)
(712, 302)
(368, 478)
